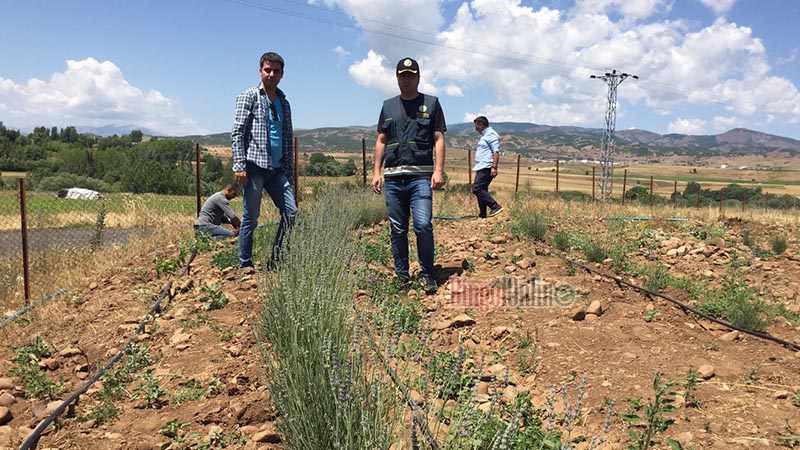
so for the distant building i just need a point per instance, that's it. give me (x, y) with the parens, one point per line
(724, 166)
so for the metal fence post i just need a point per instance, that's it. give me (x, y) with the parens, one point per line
(593, 184)
(23, 212)
(516, 183)
(651, 191)
(675, 193)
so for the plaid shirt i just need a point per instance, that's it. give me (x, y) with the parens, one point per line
(250, 134)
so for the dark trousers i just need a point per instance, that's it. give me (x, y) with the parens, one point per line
(480, 188)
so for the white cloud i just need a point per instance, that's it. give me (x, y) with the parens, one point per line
(91, 93)
(788, 59)
(373, 72)
(722, 124)
(687, 126)
(453, 91)
(718, 6)
(340, 52)
(542, 57)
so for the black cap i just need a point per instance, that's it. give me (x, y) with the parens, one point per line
(407, 65)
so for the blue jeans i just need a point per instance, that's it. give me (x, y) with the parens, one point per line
(410, 197)
(280, 191)
(215, 231)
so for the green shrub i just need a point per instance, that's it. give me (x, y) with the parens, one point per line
(595, 251)
(779, 244)
(527, 223)
(560, 240)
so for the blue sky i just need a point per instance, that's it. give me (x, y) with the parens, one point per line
(176, 66)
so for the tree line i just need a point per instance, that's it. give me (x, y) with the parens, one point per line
(54, 159)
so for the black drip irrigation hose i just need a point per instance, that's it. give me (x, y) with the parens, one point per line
(33, 439)
(22, 311)
(686, 308)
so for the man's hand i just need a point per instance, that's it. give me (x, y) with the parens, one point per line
(494, 172)
(376, 184)
(437, 180)
(240, 178)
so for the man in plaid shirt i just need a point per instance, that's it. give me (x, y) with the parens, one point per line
(262, 141)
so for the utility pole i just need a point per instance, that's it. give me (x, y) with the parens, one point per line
(613, 79)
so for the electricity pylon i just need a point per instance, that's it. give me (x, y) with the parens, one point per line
(613, 79)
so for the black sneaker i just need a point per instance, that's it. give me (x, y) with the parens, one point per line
(495, 211)
(428, 284)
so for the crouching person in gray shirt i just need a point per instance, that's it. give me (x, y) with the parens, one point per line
(216, 211)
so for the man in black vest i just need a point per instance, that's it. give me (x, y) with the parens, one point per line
(409, 155)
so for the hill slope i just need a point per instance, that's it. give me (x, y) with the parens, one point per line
(552, 142)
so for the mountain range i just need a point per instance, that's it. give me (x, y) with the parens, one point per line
(551, 142)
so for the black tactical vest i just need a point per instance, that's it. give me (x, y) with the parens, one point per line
(409, 140)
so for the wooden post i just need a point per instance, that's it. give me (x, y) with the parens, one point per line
(558, 166)
(197, 189)
(624, 185)
(516, 183)
(469, 169)
(23, 213)
(675, 193)
(593, 185)
(697, 199)
(296, 172)
(364, 159)
(744, 202)
(651, 191)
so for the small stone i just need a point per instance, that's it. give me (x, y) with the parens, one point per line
(499, 332)
(591, 317)
(69, 352)
(578, 313)
(417, 398)
(92, 285)
(595, 308)
(51, 363)
(179, 338)
(719, 242)
(462, 320)
(483, 387)
(684, 438)
(629, 355)
(6, 384)
(729, 337)
(5, 415)
(706, 371)
(780, 395)
(6, 399)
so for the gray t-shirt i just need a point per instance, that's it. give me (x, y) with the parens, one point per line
(215, 211)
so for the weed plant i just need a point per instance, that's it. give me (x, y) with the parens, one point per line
(528, 222)
(35, 381)
(225, 258)
(654, 416)
(736, 301)
(326, 394)
(595, 251)
(779, 244)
